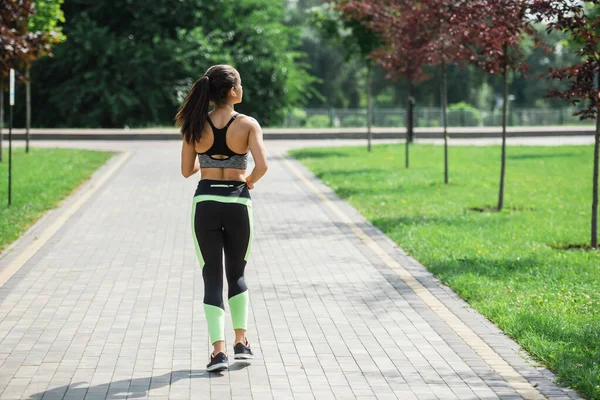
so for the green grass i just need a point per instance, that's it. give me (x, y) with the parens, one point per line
(505, 264)
(40, 180)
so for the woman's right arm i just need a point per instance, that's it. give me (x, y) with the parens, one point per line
(259, 153)
(189, 161)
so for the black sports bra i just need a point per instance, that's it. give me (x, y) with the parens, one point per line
(219, 147)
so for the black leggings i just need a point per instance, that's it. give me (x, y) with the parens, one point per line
(222, 223)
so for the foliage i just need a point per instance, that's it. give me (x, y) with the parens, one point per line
(502, 26)
(47, 18)
(348, 27)
(299, 116)
(510, 266)
(395, 121)
(41, 179)
(465, 114)
(18, 44)
(584, 76)
(354, 121)
(571, 17)
(318, 121)
(401, 53)
(130, 62)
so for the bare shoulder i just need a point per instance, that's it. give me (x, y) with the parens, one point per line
(249, 122)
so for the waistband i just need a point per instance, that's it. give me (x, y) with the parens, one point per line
(222, 188)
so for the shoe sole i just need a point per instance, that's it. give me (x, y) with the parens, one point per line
(243, 356)
(217, 367)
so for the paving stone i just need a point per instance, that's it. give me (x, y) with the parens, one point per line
(111, 306)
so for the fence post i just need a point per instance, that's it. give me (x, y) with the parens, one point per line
(561, 116)
(410, 133)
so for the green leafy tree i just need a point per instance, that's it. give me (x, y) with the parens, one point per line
(48, 15)
(345, 25)
(128, 62)
(19, 44)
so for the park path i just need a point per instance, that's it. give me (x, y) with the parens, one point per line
(111, 306)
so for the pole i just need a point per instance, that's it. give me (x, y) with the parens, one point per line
(1, 113)
(445, 118)
(369, 103)
(504, 123)
(28, 111)
(10, 123)
(595, 174)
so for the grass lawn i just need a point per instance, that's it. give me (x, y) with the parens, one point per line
(40, 180)
(507, 265)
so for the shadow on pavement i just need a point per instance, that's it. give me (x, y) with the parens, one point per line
(130, 388)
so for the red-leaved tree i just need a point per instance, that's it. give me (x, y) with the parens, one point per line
(420, 33)
(498, 29)
(18, 46)
(450, 24)
(584, 27)
(403, 51)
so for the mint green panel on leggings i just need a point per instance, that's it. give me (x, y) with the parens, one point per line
(223, 225)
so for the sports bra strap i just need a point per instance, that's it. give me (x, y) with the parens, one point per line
(231, 120)
(211, 123)
(226, 126)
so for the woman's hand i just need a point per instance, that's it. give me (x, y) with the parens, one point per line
(249, 183)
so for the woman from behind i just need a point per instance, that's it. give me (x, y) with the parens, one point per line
(216, 143)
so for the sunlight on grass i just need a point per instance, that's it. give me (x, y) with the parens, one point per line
(505, 264)
(40, 180)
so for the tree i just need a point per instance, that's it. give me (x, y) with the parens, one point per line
(19, 46)
(129, 62)
(452, 23)
(45, 20)
(502, 25)
(427, 32)
(584, 76)
(357, 40)
(401, 54)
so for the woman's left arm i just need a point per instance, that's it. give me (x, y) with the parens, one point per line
(189, 161)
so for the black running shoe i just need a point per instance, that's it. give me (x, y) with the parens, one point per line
(243, 352)
(217, 363)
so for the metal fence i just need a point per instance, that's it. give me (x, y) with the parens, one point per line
(429, 117)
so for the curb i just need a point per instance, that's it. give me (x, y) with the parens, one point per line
(306, 134)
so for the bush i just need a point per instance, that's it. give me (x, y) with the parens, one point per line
(428, 123)
(394, 121)
(354, 121)
(297, 117)
(318, 121)
(464, 114)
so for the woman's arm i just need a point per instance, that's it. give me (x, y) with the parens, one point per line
(259, 154)
(189, 161)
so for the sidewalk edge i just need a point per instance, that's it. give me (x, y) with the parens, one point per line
(33, 239)
(422, 284)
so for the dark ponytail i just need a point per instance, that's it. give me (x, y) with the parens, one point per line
(213, 87)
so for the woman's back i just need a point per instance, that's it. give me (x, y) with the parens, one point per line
(225, 137)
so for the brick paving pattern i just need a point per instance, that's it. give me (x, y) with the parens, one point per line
(111, 306)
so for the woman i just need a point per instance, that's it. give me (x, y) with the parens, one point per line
(216, 144)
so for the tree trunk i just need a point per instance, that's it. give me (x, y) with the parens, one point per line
(504, 122)
(369, 103)
(28, 110)
(595, 184)
(445, 118)
(1, 113)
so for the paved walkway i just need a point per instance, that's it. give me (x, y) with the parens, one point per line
(111, 306)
